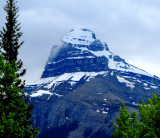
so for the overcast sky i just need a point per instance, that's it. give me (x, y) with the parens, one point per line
(131, 29)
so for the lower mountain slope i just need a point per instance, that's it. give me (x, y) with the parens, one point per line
(86, 107)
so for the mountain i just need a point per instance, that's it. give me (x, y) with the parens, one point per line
(82, 86)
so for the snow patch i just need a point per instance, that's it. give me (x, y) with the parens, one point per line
(97, 111)
(154, 87)
(72, 77)
(112, 73)
(147, 88)
(107, 108)
(105, 112)
(145, 84)
(94, 74)
(128, 83)
(57, 95)
(134, 103)
(40, 93)
(99, 93)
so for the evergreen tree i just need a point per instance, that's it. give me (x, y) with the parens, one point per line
(127, 126)
(15, 114)
(10, 36)
(150, 115)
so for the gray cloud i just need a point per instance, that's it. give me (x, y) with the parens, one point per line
(130, 28)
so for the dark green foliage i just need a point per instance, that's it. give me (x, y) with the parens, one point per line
(10, 35)
(15, 113)
(128, 126)
(150, 115)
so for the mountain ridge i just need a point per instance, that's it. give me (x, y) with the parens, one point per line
(88, 48)
(82, 87)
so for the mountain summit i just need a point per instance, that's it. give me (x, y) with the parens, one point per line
(82, 52)
(82, 86)
(79, 37)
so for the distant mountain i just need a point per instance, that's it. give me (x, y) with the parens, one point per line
(82, 87)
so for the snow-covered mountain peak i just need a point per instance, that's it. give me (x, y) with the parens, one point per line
(82, 52)
(83, 80)
(79, 37)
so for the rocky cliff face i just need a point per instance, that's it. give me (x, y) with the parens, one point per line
(82, 87)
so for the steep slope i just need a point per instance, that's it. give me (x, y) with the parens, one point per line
(82, 86)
